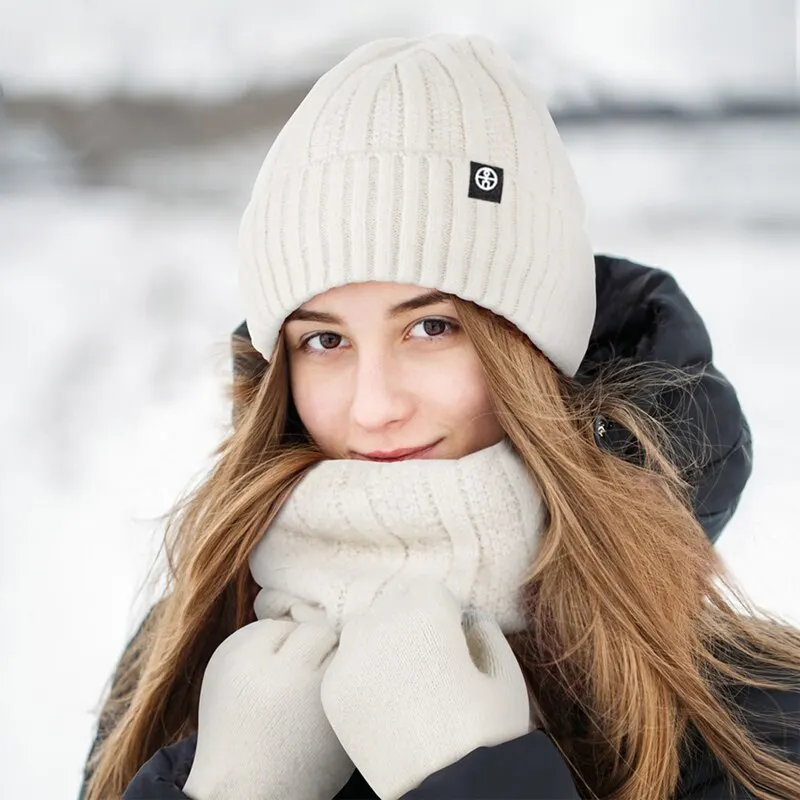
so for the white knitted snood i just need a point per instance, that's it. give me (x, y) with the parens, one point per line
(351, 529)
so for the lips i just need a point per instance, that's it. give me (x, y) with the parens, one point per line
(399, 455)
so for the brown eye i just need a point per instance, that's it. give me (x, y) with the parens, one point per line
(329, 341)
(435, 328)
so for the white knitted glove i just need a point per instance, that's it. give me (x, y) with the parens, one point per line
(262, 733)
(411, 691)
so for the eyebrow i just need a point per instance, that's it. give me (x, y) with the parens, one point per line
(420, 301)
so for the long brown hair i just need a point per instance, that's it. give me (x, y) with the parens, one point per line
(633, 633)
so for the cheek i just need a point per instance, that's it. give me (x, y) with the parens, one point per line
(457, 387)
(319, 403)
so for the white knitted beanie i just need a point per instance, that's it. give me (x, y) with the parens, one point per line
(426, 162)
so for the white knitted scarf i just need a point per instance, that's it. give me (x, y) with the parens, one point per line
(351, 529)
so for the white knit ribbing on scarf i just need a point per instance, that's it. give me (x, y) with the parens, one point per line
(351, 529)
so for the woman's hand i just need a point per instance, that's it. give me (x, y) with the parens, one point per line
(416, 685)
(262, 733)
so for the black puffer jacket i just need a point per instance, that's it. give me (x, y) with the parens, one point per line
(527, 768)
(644, 320)
(642, 317)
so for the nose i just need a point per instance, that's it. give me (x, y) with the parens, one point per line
(380, 397)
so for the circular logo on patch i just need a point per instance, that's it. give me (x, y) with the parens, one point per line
(486, 179)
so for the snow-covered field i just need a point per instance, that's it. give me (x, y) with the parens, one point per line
(116, 303)
(114, 314)
(581, 50)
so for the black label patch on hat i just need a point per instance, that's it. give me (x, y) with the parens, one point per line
(485, 182)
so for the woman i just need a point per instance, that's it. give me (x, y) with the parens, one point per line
(444, 553)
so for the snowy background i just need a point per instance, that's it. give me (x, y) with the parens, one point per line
(131, 133)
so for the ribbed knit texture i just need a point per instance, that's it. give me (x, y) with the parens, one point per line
(370, 178)
(352, 529)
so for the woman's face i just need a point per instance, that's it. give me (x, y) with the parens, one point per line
(378, 367)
